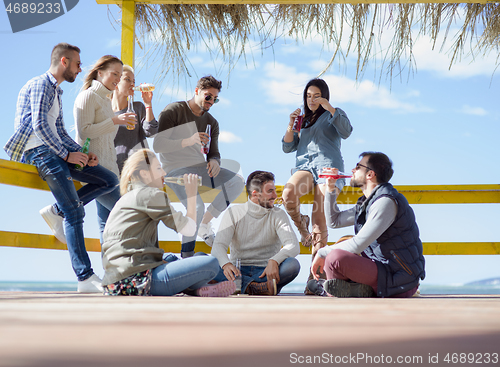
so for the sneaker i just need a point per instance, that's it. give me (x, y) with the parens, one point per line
(315, 287)
(222, 289)
(90, 285)
(342, 288)
(55, 222)
(262, 289)
(206, 233)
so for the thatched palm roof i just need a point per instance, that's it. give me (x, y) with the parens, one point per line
(350, 29)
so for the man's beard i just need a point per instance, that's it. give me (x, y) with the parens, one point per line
(266, 204)
(68, 76)
(355, 183)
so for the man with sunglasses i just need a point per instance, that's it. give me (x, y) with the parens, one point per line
(385, 257)
(181, 138)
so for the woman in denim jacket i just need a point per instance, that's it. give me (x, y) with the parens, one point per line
(317, 143)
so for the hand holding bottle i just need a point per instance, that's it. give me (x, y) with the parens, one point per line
(294, 115)
(205, 148)
(191, 184)
(85, 151)
(126, 118)
(332, 175)
(78, 158)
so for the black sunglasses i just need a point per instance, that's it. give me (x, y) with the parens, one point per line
(359, 165)
(208, 98)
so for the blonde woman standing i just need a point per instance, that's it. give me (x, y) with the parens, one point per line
(95, 119)
(127, 141)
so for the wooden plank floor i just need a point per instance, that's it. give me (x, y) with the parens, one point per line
(72, 330)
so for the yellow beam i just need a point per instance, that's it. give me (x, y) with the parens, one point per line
(128, 32)
(25, 175)
(42, 241)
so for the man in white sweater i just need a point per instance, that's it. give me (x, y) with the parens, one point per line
(260, 236)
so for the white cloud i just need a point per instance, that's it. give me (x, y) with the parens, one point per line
(439, 61)
(284, 86)
(475, 111)
(228, 137)
(177, 93)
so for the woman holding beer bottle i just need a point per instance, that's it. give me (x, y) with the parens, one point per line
(317, 144)
(134, 264)
(128, 140)
(95, 119)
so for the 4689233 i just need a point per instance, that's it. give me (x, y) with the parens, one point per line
(485, 358)
(33, 8)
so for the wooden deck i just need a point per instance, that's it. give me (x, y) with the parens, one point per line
(72, 330)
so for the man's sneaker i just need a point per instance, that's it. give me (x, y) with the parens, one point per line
(55, 222)
(222, 289)
(316, 287)
(262, 289)
(342, 288)
(206, 233)
(90, 285)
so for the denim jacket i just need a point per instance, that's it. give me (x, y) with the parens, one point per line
(318, 146)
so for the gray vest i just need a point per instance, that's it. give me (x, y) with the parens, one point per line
(398, 252)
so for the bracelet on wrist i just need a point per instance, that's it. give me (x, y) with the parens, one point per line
(149, 107)
(289, 128)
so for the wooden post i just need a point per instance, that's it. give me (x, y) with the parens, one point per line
(128, 32)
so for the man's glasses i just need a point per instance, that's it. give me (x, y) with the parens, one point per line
(79, 64)
(359, 165)
(208, 98)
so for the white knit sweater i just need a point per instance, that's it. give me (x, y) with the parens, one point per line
(255, 235)
(93, 114)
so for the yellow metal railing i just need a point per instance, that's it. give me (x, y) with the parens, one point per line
(24, 175)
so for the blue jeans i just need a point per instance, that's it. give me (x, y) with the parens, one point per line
(59, 176)
(289, 269)
(182, 274)
(105, 204)
(230, 184)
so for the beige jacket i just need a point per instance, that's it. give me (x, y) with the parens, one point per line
(93, 114)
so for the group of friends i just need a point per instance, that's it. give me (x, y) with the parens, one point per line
(383, 258)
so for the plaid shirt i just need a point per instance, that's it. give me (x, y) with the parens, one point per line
(35, 100)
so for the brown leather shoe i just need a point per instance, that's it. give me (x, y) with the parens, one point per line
(262, 289)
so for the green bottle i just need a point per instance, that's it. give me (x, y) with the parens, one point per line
(85, 149)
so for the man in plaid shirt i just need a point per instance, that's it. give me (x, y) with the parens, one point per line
(41, 139)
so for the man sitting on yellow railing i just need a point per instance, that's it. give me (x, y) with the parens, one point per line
(41, 138)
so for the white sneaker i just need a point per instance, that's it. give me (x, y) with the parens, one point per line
(90, 285)
(206, 233)
(55, 222)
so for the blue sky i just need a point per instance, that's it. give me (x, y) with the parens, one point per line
(439, 126)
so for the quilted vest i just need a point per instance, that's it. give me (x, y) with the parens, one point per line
(398, 252)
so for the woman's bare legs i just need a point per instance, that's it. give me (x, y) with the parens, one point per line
(298, 185)
(319, 234)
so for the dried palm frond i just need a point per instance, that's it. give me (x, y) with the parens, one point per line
(228, 30)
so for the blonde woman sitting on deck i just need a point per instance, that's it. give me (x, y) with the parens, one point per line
(133, 262)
